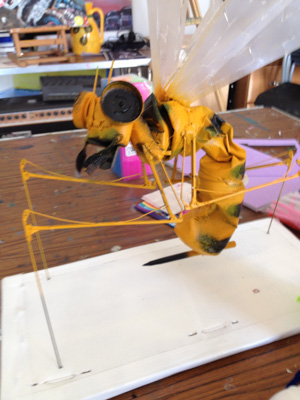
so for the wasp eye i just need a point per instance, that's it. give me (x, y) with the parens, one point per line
(122, 102)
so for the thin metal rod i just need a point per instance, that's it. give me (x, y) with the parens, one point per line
(44, 304)
(174, 168)
(159, 184)
(182, 172)
(110, 72)
(171, 185)
(278, 198)
(277, 201)
(95, 80)
(194, 176)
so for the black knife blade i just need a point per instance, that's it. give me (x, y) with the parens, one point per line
(173, 257)
(180, 256)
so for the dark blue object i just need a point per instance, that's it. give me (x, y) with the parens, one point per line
(295, 381)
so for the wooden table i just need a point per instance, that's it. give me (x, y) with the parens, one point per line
(254, 374)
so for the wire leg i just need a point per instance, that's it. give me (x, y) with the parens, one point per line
(194, 176)
(159, 184)
(29, 202)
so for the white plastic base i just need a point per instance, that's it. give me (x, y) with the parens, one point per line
(120, 325)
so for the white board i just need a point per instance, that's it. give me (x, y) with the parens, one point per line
(120, 325)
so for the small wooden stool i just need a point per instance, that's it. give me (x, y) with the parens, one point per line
(23, 59)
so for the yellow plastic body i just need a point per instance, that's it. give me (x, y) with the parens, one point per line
(217, 188)
(206, 229)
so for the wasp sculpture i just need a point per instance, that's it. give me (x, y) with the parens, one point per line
(158, 132)
(166, 125)
(228, 44)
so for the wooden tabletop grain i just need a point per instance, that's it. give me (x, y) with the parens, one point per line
(254, 374)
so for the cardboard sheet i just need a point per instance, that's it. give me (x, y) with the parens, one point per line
(120, 325)
(257, 199)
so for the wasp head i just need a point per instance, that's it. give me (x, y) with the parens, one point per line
(109, 120)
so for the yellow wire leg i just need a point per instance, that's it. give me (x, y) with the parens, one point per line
(25, 177)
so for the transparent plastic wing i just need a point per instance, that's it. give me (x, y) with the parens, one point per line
(234, 39)
(166, 26)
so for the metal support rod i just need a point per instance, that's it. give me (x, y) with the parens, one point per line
(28, 235)
(45, 308)
(278, 198)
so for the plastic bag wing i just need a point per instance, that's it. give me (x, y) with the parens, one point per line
(166, 26)
(232, 41)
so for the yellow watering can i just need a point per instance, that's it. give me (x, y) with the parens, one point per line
(88, 39)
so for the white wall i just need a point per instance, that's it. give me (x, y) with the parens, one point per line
(204, 5)
(140, 15)
(6, 82)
